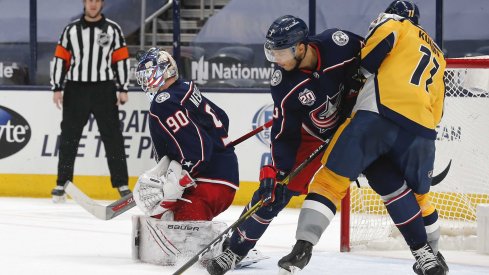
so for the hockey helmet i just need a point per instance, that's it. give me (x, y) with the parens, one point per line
(155, 66)
(283, 35)
(406, 9)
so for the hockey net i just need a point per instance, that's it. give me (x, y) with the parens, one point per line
(462, 139)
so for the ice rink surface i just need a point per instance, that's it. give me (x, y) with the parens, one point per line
(39, 237)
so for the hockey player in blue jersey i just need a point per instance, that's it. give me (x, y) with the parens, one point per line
(309, 91)
(197, 174)
(393, 123)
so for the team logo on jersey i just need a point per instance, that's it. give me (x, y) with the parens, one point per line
(307, 97)
(340, 38)
(162, 97)
(276, 78)
(103, 39)
(325, 117)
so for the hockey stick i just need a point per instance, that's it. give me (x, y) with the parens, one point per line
(434, 180)
(127, 202)
(228, 231)
(438, 178)
(267, 124)
(102, 212)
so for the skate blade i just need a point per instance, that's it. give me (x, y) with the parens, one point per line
(59, 199)
(293, 270)
(251, 258)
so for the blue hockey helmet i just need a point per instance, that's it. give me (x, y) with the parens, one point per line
(406, 9)
(155, 66)
(285, 32)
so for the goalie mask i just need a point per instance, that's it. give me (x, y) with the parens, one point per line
(154, 67)
(283, 36)
(406, 9)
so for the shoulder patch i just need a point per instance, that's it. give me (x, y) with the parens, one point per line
(307, 97)
(162, 97)
(276, 78)
(340, 38)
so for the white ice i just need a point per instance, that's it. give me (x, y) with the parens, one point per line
(39, 237)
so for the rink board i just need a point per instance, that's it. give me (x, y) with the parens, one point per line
(30, 170)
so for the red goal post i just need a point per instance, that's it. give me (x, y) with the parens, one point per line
(462, 137)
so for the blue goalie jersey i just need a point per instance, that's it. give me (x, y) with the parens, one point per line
(311, 100)
(188, 127)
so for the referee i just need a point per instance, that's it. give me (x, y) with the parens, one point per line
(90, 54)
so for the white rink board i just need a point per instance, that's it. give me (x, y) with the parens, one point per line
(462, 136)
(39, 156)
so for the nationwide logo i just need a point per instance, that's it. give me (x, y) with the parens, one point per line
(263, 115)
(15, 132)
(203, 71)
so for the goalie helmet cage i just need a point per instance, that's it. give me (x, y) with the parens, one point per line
(462, 138)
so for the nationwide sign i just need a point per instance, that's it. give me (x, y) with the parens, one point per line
(203, 71)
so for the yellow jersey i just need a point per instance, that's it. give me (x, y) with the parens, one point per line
(404, 69)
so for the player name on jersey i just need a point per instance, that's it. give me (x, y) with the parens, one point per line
(427, 39)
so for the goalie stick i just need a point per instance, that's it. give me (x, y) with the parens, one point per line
(102, 212)
(127, 202)
(228, 231)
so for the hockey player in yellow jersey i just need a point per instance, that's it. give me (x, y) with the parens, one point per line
(408, 87)
(392, 125)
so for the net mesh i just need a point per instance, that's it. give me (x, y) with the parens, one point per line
(463, 139)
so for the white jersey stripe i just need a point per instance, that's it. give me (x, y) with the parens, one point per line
(91, 48)
(223, 182)
(319, 207)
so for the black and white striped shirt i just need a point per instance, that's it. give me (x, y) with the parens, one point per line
(91, 52)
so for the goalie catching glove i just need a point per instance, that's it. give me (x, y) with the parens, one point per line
(158, 189)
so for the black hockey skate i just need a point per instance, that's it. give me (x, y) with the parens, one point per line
(123, 190)
(223, 263)
(427, 261)
(297, 259)
(441, 260)
(59, 195)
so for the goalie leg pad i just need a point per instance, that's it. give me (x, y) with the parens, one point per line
(166, 242)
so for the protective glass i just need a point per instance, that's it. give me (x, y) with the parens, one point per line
(280, 56)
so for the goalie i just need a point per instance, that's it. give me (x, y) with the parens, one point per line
(196, 176)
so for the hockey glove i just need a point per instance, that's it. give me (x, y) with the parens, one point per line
(148, 191)
(268, 184)
(177, 180)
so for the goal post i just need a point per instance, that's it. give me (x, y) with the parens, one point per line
(463, 139)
